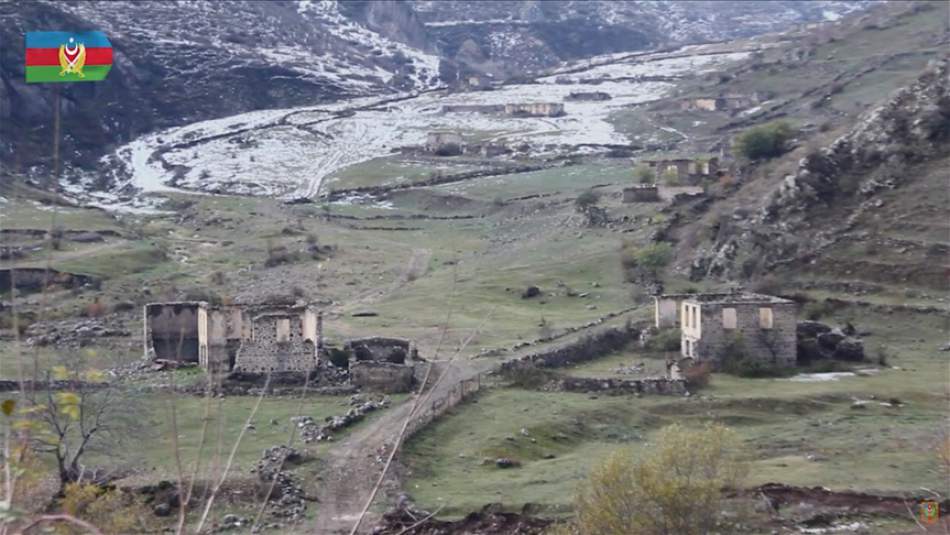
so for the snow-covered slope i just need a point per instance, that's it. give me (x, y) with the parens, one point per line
(289, 153)
(178, 62)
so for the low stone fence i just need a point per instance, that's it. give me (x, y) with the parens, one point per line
(581, 350)
(438, 406)
(616, 386)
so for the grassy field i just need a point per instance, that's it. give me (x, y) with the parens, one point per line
(32, 215)
(800, 433)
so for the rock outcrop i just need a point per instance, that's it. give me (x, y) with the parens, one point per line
(811, 208)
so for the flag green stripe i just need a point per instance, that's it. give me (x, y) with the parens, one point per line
(94, 73)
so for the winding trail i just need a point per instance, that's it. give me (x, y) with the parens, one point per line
(353, 465)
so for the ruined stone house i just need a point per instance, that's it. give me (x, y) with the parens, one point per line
(382, 364)
(242, 337)
(682, 168)
(726, 102)
(444, 143)
(535, 109)
(712, 325)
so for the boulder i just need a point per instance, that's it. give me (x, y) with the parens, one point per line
(808, 351)
(811, 329)
(530, 291)
(850, 349)
(831, 339)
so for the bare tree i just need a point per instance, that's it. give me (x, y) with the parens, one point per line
(80, 419)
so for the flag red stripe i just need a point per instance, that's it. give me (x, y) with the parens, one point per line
(38, 57)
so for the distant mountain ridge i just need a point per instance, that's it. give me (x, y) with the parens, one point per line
(180, 62)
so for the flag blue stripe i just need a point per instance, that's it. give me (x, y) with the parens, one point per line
(54, 39)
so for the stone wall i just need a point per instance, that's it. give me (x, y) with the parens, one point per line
(383, 377)
(709, 339)
(473, 108)
(645, 193)
(581, 350)
(34, 279)
(669, 193)
(278, 344)
(171, 331)
(615, 386)
(382, 349)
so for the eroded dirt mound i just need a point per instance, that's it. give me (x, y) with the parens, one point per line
(780, 495)
(488, 521)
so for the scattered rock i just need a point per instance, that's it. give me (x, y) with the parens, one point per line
(504, 462)
(530, 291)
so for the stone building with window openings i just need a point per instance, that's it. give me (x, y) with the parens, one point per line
(711, 325)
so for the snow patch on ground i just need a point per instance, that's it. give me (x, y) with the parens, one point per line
(820, 377)
(289, 153)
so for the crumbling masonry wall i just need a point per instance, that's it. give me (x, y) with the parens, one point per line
(277, 344)
(383, 377)
(171, 331)
(707, 338)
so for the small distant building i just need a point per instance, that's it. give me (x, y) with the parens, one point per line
(535, 109)
(588, 96)
(382, 364)
(682, 168)
(762, 325)
(444, 143)
(727, 102)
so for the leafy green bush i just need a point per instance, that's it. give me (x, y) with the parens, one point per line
(643, 174)
(765, 141)
(655, 256)
(665, 340)
(674, 486)
(586, 199)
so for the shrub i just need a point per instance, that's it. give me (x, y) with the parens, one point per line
(112, 511)
(586, 199)
(218, 278)
(56, 237)
(671, 177)
(655, 256)
(764, 142)
(278, 254)
(96, 309)
(665, 340)
(675, 486)
(644, 175)
(697, 376)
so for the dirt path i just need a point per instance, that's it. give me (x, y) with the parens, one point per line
(354, 464)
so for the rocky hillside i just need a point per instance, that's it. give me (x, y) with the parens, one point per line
(508, 37)
(180, 62)
(869, 186)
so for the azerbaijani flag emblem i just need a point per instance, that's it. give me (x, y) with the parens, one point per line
(67, 57)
